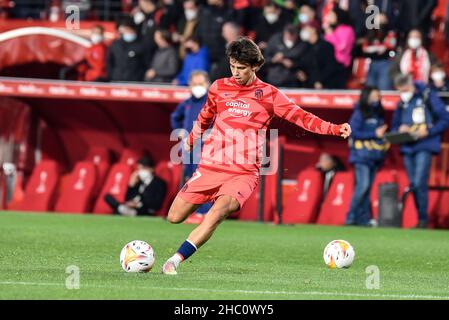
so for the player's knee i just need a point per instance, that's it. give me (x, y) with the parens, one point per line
(174, 217)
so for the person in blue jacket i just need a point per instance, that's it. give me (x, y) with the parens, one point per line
(185, 115)
(367, 152)
(424, 115)
(197, 58)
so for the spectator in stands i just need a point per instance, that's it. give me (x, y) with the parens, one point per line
(283, 53)
(289, 9)
(339, 32)
(367, 152)
(379, 45)
(93, 67)
(209, 29)
(231, 32)
(127, 55)
(318, 68)
(328, 165)
(145, 194)
(415, 14)
(438, 77)
(184, 116)
(416, 60)
(422, 114)
(186, 26)
(146, 17)
(307, 16)
(164, 66)
(197, 58)
(271, 22)
(24, 9)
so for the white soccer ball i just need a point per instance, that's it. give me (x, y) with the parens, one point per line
(137, 256)
(339, 254)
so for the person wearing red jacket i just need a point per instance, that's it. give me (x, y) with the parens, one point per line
(93, 68)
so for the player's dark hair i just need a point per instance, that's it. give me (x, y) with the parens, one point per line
(146, 161)
(245, 51)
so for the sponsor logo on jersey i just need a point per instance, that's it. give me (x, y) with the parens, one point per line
(238, 108)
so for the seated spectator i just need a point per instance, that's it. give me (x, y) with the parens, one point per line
(318, 68)
(283, 52)
(328, 165)
(339, 32)
(438, 78)
(271, 22)
(93, 67)
(127, 54)
(416, 60)
(307, 16)
(197, 58)
(186, 26)
(380, 46)
(165, 60)
(145, 194)
(231, 32)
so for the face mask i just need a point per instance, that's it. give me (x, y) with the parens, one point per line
(144, 174)
(190, 14)
(414, 43)
(199, 91)
(375, 104)
(96, 38)
(438, 76)
(129, 37)
(139, 17)
(289, 43)
(303, 18)
(305, 35)
(406, 96)
(271, 17)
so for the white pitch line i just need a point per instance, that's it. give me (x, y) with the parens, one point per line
(266, 292)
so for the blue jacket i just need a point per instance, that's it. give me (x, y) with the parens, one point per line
(436, 120)
(365, 147)
(193, 61)
(186, 113)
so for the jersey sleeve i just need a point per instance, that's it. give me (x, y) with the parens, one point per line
(206, 115)
(286, 109)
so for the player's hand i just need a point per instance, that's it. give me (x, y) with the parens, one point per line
(380, 132)
(345, 130)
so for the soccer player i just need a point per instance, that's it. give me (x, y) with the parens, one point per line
(240, 103)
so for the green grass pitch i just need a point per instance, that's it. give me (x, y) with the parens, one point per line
(241, 261)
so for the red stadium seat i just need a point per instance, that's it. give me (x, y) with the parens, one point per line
(171, 174)
(336, 205)
(77, 196)
(383, 176)
(250, 208)
(99, 154)
(130, 157)
(304, 204)
(443, 209)
(40, 191)
(116, 184)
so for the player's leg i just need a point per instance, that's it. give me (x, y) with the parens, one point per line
(180, 210)
(222, 208)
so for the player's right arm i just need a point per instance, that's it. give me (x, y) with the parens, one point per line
(205, 118)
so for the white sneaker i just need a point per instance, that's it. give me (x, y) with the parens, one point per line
(169, 268)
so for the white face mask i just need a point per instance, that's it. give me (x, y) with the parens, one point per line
(303, 18)
(289, 43)
(190, 14)
(305, 35)
(139, 17)
(406, 96)
(129, 37)
(414, 43)
(271, 17)
(144, 174)
(438, 76)
(198, 91)
(96, 38)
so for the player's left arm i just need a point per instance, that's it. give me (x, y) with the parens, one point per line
(286, 109)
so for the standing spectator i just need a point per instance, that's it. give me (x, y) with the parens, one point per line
(439, 81)
(339, 32)
(127, 55)
(367, 152)
(231, 32)
(318, 68)
(271, 22)
(186, 26)
(307, 16)
(415, 14)
(93, 68)
(380, 46)
(164, 66)
(416, 60)
(328, 165)
(146, 17)
(423, 114)
(283, 54)
(197, 58)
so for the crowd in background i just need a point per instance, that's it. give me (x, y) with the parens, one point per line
(307, 43)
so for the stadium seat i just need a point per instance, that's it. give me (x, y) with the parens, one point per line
(250, 209)
(304, 204)
(171, 174)
(101, 158)
(409, 212)
(130, 157)
(360, 68)
(116, 184)
(336, 205)
(77, 196)
(383, 176)
(40, 191)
